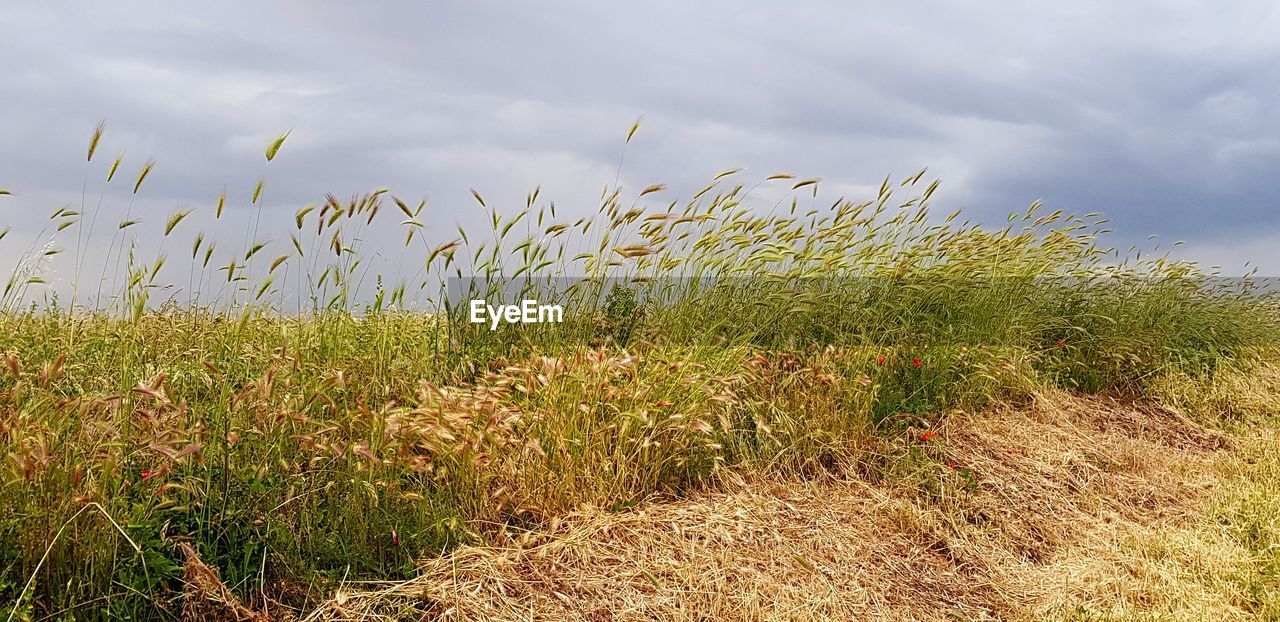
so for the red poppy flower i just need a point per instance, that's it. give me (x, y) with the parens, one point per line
(916, 362)
(928, 436)
(1062, 342)
(880, 360)
(146, 474)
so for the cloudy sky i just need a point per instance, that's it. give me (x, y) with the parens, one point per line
(1164, 115)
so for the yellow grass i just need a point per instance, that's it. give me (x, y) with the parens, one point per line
(1071, 509)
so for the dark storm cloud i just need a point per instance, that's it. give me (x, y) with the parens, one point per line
(1164, 115)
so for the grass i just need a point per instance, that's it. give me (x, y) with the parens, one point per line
(1152, 519)
(295, 447)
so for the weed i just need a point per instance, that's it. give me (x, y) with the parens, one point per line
(346, 437)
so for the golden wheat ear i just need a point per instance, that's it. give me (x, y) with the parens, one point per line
(95, 139)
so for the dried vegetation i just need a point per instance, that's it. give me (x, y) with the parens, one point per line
(796, 408)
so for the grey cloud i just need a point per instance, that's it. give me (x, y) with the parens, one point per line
(1165, 116)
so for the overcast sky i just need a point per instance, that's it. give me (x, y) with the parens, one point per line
(1164, 115)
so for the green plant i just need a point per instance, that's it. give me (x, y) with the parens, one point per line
(321, 443)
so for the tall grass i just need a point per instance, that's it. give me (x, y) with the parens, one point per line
(345, 436)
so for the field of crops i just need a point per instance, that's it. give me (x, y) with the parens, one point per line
(297, 423)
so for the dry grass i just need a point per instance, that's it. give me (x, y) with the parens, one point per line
(298, 426)
(206, 597)
(1073, 508)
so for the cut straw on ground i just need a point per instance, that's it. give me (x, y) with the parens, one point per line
(1072, 509)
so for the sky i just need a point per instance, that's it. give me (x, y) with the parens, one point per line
(1163, 115)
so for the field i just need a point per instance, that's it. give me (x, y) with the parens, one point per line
(978, 408)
